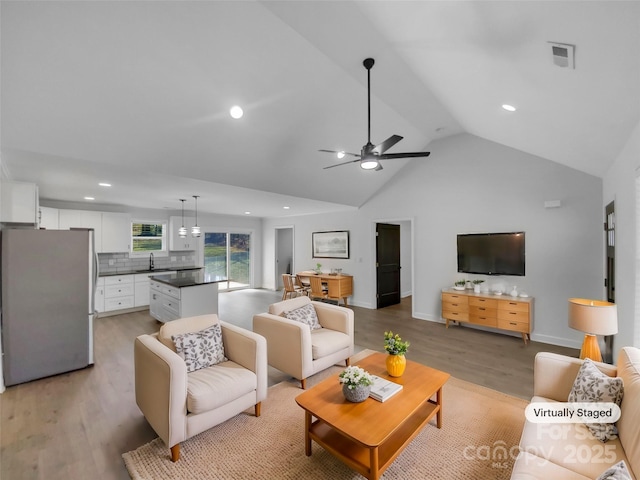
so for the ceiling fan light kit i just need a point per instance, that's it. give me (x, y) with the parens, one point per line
(371, 154)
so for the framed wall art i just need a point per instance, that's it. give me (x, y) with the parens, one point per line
(330, 244)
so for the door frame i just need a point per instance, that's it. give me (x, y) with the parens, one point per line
(277, 278)
(372, 266)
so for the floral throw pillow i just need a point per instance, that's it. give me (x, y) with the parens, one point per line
(200, 349)
(306, 315)
(591, 385)
(617, 472)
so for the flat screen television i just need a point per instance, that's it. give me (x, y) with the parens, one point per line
(492, 253)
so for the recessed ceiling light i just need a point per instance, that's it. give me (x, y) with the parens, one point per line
(340, 154)
(236, 112)
(509, 108)
(247, 213)
(89, 198)
(104, 184)
(286, 208)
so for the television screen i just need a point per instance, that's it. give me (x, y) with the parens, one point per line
(492, 253)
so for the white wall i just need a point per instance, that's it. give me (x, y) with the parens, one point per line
(472, 185)
(619, 186)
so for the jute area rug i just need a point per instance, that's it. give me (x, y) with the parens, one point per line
(478, 440)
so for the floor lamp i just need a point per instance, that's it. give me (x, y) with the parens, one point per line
(593, 317)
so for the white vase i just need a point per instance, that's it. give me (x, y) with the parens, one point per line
(476, 288)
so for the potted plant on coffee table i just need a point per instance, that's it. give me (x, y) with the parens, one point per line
(396, 348)
(356, 383)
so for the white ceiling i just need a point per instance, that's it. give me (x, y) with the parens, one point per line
(137, 93)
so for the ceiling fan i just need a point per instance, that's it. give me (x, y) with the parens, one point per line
(371, 154)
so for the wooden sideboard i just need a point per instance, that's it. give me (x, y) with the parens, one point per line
(496, 311)
(338, 286)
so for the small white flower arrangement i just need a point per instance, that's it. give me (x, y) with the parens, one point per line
(354, 375)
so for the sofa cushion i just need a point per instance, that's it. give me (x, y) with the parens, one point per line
(212, 387)
(325, 342)
(306, 315)
(629, 370)
(184, 325)
(570, 445)
(200, 349)
(617, 472)
(591, 385)
(532, 467)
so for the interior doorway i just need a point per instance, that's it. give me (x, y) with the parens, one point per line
(610, 275)
(283, 254)
(394, 250)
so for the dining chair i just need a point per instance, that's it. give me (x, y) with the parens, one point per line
(303, 284)
(290, 288)
(317, 289)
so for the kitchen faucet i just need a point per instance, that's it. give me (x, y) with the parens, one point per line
(151, 266)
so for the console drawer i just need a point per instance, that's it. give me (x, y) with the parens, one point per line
(457, 316)
(485, 320)
(513, 306)
(513, 325)
(513, 316)
(483, 302)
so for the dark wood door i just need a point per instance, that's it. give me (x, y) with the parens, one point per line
(387, 264)
(610, 279)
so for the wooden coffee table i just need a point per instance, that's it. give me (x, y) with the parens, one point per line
(369, 436)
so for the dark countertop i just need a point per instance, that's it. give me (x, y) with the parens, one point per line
(133, 272)
(188, 278)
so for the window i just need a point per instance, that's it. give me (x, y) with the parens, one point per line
(148, 237)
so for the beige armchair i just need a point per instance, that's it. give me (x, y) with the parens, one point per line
(179, 405)
(296, 349)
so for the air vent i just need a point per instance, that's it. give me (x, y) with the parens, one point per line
(563, 54)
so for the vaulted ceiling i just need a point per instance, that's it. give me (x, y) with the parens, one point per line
(137, 94)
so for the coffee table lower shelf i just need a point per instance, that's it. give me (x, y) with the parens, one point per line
(370, 461)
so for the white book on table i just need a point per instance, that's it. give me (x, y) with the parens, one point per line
(383, 389)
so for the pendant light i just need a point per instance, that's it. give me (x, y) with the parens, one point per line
(182, 231)
(195, 230)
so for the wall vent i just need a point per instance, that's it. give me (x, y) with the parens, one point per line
(563, 54)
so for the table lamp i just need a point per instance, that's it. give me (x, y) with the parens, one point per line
(593, 317)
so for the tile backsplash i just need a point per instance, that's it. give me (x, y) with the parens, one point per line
(120, 262)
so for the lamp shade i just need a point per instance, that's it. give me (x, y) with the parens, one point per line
(593, 317)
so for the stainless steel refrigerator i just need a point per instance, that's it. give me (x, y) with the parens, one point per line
(48, 288)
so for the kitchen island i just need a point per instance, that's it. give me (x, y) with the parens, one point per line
(183, 294)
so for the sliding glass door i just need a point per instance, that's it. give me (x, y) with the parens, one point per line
(228, 255)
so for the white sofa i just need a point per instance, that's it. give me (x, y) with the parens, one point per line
(179, 405)
(295, 349)
(569, 451)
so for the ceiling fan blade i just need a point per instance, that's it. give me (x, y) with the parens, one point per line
(343, 163)
(378, 168)
(388, 156)
(336, 152)
(387, 144)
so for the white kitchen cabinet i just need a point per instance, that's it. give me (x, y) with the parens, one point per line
(155, 300)
(49, 218)
(176, 243)
(82, 219)
(19, 203)
(141, 288)
(99, 297)
(118, 292)
(116, 232)
(169, 302)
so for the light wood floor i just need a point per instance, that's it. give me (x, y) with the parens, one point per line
(77, 425)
